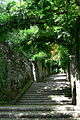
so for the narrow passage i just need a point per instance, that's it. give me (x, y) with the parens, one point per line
(48, 100)
(55, 90)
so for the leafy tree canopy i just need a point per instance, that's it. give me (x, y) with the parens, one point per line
(36, 24)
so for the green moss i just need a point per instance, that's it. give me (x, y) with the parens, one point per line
(3, 73)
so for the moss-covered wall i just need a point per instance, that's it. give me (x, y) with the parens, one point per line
(3, 71)
(15, 72)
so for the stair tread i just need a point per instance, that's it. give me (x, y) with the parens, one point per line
(51, 114)
(40, 118)
(44, 101)
(29, 108)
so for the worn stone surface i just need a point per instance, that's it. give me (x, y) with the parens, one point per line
(15, 71)
(55, 88)
(54, 91)
(42, 71)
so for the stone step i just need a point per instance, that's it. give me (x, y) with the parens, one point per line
(47, 87)
(51, 84)
(38, 108)
(52, 114)
(41, 100)
(41, 96)
(53, 92)
(47, 90)
(44, 103)
(66, 91)
(40, 119)
(38, 101)
(50, 97)
(52, 80)
(45, 94)
(36, 98)
(45, 97)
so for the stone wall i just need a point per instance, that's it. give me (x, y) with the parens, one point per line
(15, 71)
(41, 71)
(3, 68)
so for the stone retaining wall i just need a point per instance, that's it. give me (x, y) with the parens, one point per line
(16, 71)
(41, 71)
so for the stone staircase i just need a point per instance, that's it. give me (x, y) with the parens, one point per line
(50, 100)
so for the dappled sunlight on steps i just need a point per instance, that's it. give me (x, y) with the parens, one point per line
(67, 112)
(52, 92)
(48, 100)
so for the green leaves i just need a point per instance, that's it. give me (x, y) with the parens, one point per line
(4, 18)
(36, 24)
(39, 56)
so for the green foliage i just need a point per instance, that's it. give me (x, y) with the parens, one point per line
(39, 56)
(64, 57)
(47, 15)
(60, 57)
(32, 26)
(37, 24)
